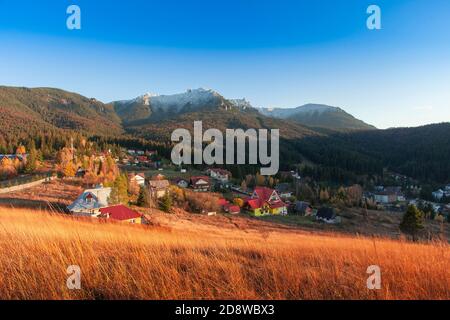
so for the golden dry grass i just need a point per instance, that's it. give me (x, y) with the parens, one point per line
(136, 262)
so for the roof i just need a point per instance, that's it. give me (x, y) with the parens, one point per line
(99, 195)
(120, 212)
(136, 175)
(223, 202)
(301, 206)
(263, 193)
(255, 203)
(283, 187)
(263, 196)
(197, 179)
(158, 176)
(221, 171)
(159, 184)
(326, 213)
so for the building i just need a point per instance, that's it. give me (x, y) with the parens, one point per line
(389, 195)
(137, 179)
(80, 173)
(265, 201)
(120, 213)
(440, 194)
(90, 202)
(302, 208)
(219, 174)
(158, 188)
(284, 190)
(200, 183)
(326, 215)
(231, 208)
(182, 183)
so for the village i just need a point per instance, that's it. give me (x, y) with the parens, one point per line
(130, 187)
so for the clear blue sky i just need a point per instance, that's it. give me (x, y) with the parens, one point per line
(274, 53)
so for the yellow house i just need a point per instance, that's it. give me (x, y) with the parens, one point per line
(121, 213)
(266, 201)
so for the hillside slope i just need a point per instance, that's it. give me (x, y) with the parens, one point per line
(42, 108)
(320, 116)
(136, 262)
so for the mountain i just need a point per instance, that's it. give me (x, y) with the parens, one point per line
(150, 108)
(156, 116)
(319, 116)
(34, 110)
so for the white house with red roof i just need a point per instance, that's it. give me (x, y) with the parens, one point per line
(265, 201)
(200, 183)
(219, 174)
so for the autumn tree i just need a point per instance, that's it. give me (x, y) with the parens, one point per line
(69, 169)
(7, 169)
(21, 150)
(239, 202)
(119, 193)
(32, 158)
(260, 180)
(324, 195)
(166, 203)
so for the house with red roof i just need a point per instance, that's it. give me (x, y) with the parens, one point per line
(265, 201)
(232, 208)
(121, 213)
(200, 183)
(219, 174)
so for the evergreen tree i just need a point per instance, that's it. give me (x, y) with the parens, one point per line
(413, 221)
(144, 198)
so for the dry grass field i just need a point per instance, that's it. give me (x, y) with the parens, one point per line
(144, 262)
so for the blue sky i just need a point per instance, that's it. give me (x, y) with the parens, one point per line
(274, 53)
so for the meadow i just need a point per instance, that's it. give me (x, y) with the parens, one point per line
(120, 261)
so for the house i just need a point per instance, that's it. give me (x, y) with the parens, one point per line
(302, 208)
(182, 183)
(326, 215)
(158, 188)
(219, 174)
(151, 153)
(142, 160)
(283, 190)
(13, 157)
(265, 201)
(389, 195)
(120, 213)
(137, 179)
(440, 194)
(90, 202)
(223, 202)
(200, 183)
(231, 208)
(80, 173)
(384, 197)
